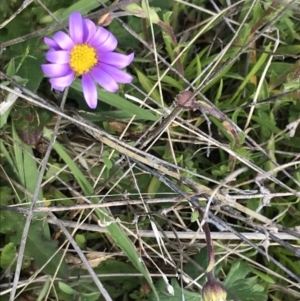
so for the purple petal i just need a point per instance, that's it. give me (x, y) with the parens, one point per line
(55, 70)
(115, 59)
(57, 88)
(104, 80)
(99, 37)
(63, 40)
(63, 81)
(51, 43)
(89, 91)
(76, 27)
(109, 44)
(118, 75)
(89, 29)
(58, 57)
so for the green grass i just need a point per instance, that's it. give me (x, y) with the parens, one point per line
(109, 204)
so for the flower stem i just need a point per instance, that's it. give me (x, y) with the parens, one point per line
(210, 252)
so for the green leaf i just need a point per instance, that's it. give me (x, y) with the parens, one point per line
(199, 70)
(201, 259)
(148, 85)
(45, 289)
(30, 65)
(115, 286)
(252, 72)
(82, 181)
(119, 102)
(80, 240)
(90, 296)
(170, 81)
(26, 165)
(266, 124)
(246, 291)
(42, 250)
(37, 246)
(238, 285)
(267, 278)
(66, 288)
(8, 258)
(7, 223)
(288, 49)
(195, 216)
(83, 6)
(178, 292)
(8, 255)
(5, 194)
(11, 68)
(108, 163)
(239, 270)
(220, 90)
(153, 186)
(108, 115)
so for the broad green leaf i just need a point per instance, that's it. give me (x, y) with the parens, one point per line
(37, 246)
(288, 49)
(7, 223)
(42, 250)
(195, 216)
(8, 258)
(30, 66)
(239, 270)
(80, 240)
(246, 289)
(257, 12)
(120, 103)
(8, 255)
(66, 288)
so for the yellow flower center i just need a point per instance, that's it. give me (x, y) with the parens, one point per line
(83, 58)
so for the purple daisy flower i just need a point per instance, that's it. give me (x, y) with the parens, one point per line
(87, 52)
